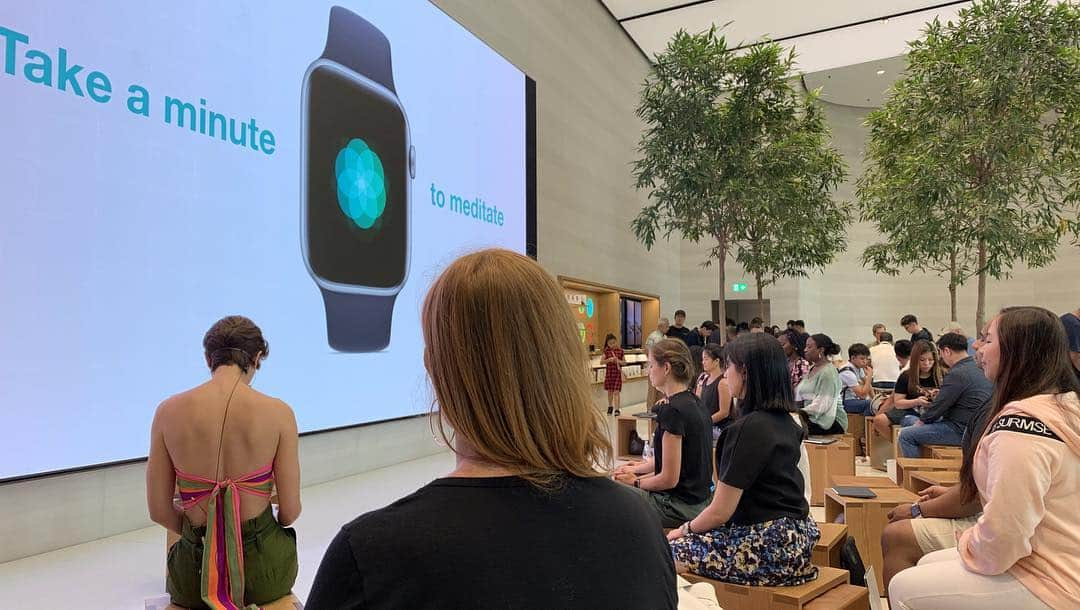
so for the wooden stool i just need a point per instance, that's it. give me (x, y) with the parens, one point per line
(825, 460)
(943, 452)
(879, 449)
(844, 597)
(769, 598)
(850, 480)
(866, 519)
(896, 454)
(905, 466)
(857, 431)
(921, 479)
(827, 549)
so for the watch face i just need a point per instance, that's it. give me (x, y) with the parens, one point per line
(357, 181)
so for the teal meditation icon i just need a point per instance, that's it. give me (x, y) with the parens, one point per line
(361, 183)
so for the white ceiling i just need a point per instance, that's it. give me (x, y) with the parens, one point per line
(841, 45)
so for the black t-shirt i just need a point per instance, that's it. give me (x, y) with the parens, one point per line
(922, 334)
(685, 416)
(759, 454)
(676, 332)
(902, 389)
(501, 543)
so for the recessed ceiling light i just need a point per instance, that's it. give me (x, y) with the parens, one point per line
(880, 72)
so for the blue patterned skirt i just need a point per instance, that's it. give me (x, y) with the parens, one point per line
(773, 554)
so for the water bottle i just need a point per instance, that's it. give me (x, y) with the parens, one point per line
(647, 452)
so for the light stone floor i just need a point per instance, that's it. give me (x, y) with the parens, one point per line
(121, 572)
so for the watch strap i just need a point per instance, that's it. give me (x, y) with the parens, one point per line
(358, 322)
(354, 43)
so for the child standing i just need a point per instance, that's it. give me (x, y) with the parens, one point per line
(613, 359)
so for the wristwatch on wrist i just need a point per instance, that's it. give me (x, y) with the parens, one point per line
(916, 512)
(357, 166)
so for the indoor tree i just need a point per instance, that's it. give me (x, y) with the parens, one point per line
(971, 165)
(731, 154)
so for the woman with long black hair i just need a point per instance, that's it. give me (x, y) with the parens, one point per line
(757, 530)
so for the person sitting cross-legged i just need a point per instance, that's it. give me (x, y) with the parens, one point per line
(757, 530)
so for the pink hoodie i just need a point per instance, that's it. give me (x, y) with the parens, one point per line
(1027, 469)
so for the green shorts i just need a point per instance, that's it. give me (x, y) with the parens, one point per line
(673, 511)
(270, 563)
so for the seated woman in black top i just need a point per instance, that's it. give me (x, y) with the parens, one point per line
(678, 477)
(757, 530)
(914, 390)
(712, 389)
(527, 519)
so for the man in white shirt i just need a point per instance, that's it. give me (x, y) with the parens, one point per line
(883, 359)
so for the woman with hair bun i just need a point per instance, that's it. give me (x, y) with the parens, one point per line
(676, 480)
(225, 445)
(820, 391)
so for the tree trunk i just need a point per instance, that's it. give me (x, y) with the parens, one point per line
(980, 309)
(722, 309)
(952, 287)
(760, 301)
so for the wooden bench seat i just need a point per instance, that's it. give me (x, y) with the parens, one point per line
(774, 598)
(905, 466)
(827, 550)
(920, 479)
(837, 458)
(844, 597)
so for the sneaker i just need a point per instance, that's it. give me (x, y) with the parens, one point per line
(616, 413)
(609, 410)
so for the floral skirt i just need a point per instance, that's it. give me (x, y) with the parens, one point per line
(773, 554)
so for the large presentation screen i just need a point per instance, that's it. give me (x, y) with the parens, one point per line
(310, 165)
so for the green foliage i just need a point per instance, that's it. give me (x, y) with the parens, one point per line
(733, 154)
(974, 158)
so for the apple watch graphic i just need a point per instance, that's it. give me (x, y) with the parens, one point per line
(357, 165)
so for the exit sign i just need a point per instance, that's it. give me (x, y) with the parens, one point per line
(738, 287)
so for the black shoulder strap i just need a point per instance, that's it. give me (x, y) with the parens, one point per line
(1023, 424)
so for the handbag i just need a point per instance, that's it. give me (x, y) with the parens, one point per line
(636, 446)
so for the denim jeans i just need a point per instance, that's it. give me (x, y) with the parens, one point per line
(858, 406)
(937, 433)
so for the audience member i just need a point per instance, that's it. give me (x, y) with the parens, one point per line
(964, 392)
(1071, 322)
(792, 344)
(613, 361)
(742, 329)
(820, 390)
(731, 331)
(528, 445)
(712, 390)
(677, 478)
(1021, 553)
(934, 522)
(883, 359)
(756, 327)
(954, 327)
(876, 331)
(911, 325)
(678, 330)
(716, 336)
(662, 326)
(702, 333)
(914, 390)
(757, 530)
(232, 550)
(661, 331)
(902, 349)
(857, 377)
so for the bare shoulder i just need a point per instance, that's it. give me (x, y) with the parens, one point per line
(278, 408)
(168, 408)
